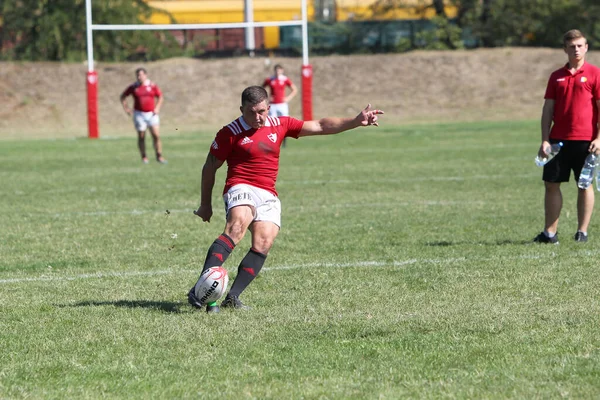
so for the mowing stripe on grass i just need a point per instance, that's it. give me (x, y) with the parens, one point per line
(360, 264)
(320, 206)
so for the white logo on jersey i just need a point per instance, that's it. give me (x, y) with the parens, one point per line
(215, 145)
(272, 137)
(246, 140)
(560, 80)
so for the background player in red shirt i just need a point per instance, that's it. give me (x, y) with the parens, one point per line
(277, 85)
(570, 115)
(145, 112)
(251, 146)
(279, 101)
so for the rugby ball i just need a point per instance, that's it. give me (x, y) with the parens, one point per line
(212, 285)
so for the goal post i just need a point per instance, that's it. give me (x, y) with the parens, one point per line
(249, 25)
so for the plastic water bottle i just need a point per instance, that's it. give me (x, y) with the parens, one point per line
(552, 152)
(587, 172)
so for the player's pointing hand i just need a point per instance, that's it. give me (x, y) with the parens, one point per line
(369, 117)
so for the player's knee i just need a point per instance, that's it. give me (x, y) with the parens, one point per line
(236, 230)
(262, 244)
(552, 187)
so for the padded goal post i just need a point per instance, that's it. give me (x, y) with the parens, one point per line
(249, 25)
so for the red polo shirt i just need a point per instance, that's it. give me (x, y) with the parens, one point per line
(277, 85)
(143, 95)
(575, 96)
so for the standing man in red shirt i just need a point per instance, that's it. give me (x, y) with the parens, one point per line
(251, 146)
(145, 112)
(570, 115)
(279, 101)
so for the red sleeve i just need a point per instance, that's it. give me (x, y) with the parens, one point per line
(157, 91)
(551, 88)
(294, 126)
(221, 146)
(267, 82)
(128, 91)
(288, 82)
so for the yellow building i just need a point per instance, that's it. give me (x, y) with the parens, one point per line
(222, 11)
(406, 10)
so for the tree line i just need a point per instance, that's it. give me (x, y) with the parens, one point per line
(498, 23)
(55, 30)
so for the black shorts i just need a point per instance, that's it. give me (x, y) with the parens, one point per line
(570, 157)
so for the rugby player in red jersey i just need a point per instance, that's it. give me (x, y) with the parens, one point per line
(570, 115)
(278, 106)
(251, 146)
(279, 101)
(145, 112)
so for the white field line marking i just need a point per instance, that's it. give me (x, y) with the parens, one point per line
(359, 264)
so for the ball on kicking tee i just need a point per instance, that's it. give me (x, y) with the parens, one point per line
(212, 285)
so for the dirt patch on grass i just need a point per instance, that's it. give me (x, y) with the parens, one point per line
(49, 99)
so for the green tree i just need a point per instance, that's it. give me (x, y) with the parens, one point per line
(527, 22)
(55, 30)
(492, 23)
(441, 32)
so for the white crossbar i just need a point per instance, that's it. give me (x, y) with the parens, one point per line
(164, 27)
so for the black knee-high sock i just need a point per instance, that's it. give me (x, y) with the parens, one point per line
(218, 252)
(247, 271)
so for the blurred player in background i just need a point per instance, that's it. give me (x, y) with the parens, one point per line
(145, 112)
(251, 146)
(570, 115)
(277, 85)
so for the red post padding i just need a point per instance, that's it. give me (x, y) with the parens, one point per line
(307, 75)
(92, 104)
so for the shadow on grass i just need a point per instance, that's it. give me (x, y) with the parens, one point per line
(505, 242)
(164, 306)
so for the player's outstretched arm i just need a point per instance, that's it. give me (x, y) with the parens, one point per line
(332, 125)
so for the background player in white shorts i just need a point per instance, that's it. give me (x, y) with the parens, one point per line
(145, 112)
(249, 144)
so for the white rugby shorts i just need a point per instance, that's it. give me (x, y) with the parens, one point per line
(279, 110)
(267, 206)
(142, 119)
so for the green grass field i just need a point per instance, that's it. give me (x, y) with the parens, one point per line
(404, 269)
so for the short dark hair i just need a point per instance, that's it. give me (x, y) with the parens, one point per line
(278, 66)
(137, 71)
(253, 95)
(572, 35)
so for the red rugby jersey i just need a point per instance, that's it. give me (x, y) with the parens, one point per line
(252, 155)
(575, 96)
(143, 95)
(277, 85)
